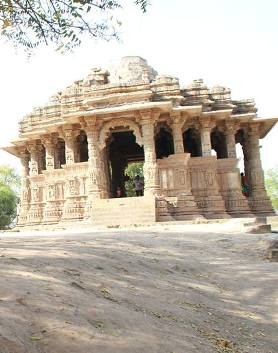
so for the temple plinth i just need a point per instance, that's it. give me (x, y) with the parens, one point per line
(74, 151)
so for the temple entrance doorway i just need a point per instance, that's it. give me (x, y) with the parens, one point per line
(122, 150)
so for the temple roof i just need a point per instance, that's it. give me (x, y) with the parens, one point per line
(133, 85)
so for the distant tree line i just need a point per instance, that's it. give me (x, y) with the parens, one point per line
(9, 190)
(271, 183)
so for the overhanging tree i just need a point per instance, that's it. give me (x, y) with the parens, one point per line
(29, 23)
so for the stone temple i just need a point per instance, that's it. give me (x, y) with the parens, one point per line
(74, 151)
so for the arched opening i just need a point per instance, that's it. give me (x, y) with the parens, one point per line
(122, 150)
(164, 144)
(218, 143)
(82, 147)
(192, 142)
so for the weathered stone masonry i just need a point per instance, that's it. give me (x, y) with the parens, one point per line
(74, 150)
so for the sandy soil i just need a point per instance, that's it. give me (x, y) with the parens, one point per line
(166, 289)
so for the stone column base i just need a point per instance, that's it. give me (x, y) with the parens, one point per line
(53, 212)
(177, 208)
(23, 215)
(211, 207)
(261, 206)
(74, 208)
(237, 205)
(35, 214)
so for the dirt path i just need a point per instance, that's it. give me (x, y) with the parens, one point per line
(160, 290)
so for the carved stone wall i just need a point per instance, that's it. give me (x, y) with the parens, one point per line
(75, 191)
(205, 188)
(37, 202)
(230, 188)
(175, 188)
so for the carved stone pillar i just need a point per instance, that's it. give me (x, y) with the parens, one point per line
(205, 129)
(34, 159)
(25, 189)
(177, 133)
(49, 144)
(97, 181)
(150, 165)
(94, 163)
(70, 145)
(35, 214)
(230, 140)
(53, 208)
(258, 200)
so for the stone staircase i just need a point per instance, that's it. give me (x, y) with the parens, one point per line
(124, 211)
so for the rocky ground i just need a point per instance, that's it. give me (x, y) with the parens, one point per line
(163, 289)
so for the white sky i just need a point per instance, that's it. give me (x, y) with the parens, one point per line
(233, 43)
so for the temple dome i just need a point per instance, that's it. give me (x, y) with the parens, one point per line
(132, 69)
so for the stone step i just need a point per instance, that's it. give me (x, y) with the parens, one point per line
(124, 211)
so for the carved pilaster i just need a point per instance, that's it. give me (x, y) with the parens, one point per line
(150, 165)
(206, 124)
(177, 133)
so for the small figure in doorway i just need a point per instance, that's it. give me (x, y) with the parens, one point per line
(244, 185)
(138, 186)
(119, 192)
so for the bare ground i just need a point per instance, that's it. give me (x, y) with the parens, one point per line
(166, 289)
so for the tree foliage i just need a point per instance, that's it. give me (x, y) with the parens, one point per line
(29, 23)
(8, 203)
(8, 176)
(9, 187)
(131, 171)
(271, 183)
